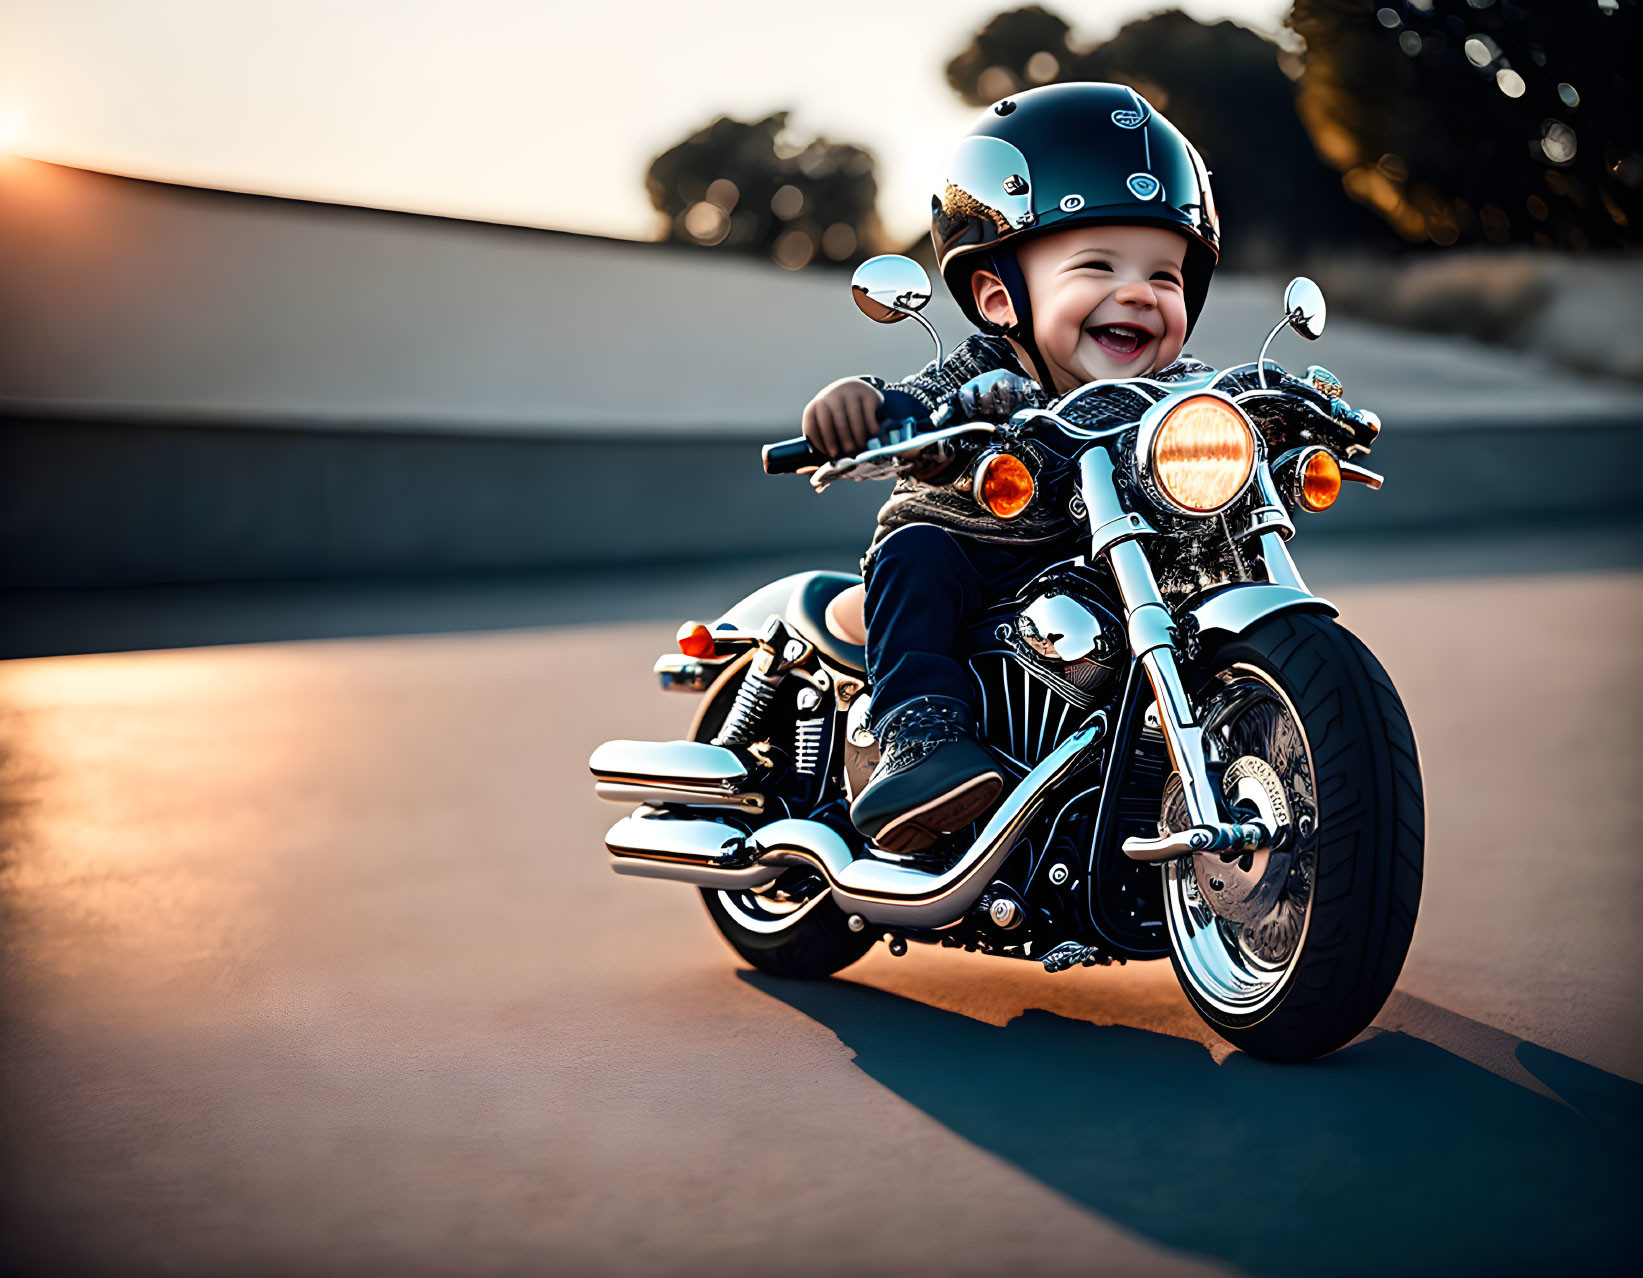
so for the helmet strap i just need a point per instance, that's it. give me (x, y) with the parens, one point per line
(1009, 274)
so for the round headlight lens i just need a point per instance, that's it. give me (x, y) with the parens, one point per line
(1203, 454)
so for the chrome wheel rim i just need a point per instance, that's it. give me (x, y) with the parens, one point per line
(1241, 967)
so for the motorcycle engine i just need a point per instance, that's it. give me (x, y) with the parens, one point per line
(1071, 638)
(1040, 670)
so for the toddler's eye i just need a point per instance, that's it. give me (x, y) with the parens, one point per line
(1167, 278)
(1097, 266)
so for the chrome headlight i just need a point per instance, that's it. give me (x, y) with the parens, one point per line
(1196, 452)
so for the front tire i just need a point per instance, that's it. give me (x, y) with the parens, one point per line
(1302, 702)
(792, 928)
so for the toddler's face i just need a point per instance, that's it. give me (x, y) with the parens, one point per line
(1107, 301)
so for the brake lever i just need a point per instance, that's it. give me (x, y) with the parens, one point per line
(891, 460)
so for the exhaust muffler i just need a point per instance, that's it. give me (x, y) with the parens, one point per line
(682, 772)
(712, 853)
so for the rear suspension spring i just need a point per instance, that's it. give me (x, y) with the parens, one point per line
(753, 698)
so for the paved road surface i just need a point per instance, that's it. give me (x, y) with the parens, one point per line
(312, 964)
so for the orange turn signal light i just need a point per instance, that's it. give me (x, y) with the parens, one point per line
(1004, 485)
(695, 640)
(1320, 481)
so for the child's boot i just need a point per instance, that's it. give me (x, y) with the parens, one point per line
(933, 776)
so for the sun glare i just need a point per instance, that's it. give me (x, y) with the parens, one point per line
(13, 126)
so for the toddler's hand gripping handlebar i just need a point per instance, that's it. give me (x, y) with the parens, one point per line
(797, 457)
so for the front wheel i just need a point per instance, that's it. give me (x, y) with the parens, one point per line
(1291, 953)
(790, 928)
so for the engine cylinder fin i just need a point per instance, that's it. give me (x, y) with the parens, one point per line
(807, 745)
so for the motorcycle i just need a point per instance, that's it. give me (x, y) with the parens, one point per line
(1200, 762)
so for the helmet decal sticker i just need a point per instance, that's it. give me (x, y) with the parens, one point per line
(1135, 116)
(1071, 203)
(1143, 185)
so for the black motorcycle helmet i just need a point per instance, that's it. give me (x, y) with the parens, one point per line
(1065, 155)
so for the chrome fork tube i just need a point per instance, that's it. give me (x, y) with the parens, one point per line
(1152, 642)
(1153, 645)
(1280, 567)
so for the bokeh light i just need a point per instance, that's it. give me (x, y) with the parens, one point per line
(1558, 142)
(794, 249)
(787, 203)
(706, 223)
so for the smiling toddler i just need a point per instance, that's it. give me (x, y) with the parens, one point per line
(1076, 228)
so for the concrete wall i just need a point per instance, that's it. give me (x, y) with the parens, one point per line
(138, 296)
(200, 386)
(87, 503)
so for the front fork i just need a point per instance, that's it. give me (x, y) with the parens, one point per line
(1115, 533)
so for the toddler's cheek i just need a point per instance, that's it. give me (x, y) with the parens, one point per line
(1169, 350)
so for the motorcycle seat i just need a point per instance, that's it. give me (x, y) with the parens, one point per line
(805, 601)
(819, 610)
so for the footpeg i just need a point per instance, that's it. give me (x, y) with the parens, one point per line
(1072, 954)
(1231, 839)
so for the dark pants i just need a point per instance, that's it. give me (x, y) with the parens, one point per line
(924, 586)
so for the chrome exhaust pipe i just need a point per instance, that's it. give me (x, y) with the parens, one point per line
(706, 853)
(654, 796)
(686, 772)
(714, 854)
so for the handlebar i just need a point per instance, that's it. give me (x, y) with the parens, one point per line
(797, 457)
(792, 457)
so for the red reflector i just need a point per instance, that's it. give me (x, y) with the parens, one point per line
(695, 640)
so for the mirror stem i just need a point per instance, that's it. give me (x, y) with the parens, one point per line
(1260, 362)
(934, 336)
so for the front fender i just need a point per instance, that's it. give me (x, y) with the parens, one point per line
(1236, 609)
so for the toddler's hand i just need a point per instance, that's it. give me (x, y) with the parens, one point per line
(842, 417)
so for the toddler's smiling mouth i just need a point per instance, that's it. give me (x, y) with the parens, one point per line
(1121, 341)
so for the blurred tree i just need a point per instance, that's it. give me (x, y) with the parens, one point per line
(1467, 120)
(1223, 86)
(1017, 49)
(749, 187)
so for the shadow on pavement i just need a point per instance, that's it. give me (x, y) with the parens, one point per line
(1392, 1155)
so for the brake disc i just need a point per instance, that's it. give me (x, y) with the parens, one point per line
(1243, 890)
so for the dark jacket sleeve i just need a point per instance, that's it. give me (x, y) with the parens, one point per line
(976, 354)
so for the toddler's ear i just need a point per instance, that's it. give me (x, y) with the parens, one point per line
(992, 298)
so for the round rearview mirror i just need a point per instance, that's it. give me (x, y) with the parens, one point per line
(890, 288)
(1304, 306)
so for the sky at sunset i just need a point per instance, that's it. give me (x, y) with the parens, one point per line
(512, 110)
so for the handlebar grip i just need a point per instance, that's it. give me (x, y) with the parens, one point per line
(791, 457)
(794, 456)
(899, 407)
